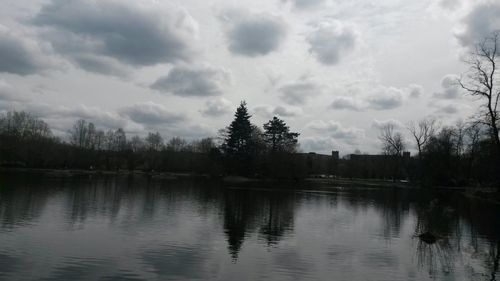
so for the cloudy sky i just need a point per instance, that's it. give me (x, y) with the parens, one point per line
(334, 70)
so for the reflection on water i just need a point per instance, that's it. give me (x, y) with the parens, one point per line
(141, 229)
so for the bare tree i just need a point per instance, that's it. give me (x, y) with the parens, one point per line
(422, 132)
(392, 142)
(177, 144)
(482, 81)
(154, 141)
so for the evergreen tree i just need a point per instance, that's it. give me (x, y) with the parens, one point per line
(278, 137)
(238, 140)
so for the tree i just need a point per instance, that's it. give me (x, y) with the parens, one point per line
(136, 144)
(239, 133)
(82, 134)
(392, 142)
(422, 132)
(154, 141)
(204, 145)
(116, 140)
(393, 146)
(177, 144)
(24, 126)
(482, 80)
(278, 137)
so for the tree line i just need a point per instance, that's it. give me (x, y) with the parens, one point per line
(27, 141)
(467, 152)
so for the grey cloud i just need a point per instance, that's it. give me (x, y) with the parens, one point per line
(297, 92)
(217, 107)
(388, 99)
(254, 35)
(102, 65)
(9, 94)
(449, 109)
(415, 91)
(98, 116)
(287, 111)
(268, 111)
(481, 22)
(450, 88)
(319, 144)
(347, 103)
(382, 123)
(18, 55)
(134, 34)
(150, 114)
(193, 81)
(61, 117)
(381, 98)
(330, 41)
(336, 130)
(306, 4)
(450, 4)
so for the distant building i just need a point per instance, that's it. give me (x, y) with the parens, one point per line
(376, 166)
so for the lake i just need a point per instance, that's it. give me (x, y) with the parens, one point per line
(149, 229)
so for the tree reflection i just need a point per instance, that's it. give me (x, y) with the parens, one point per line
(278, 215)
(20, 202)
(269, 213)
(240, 208)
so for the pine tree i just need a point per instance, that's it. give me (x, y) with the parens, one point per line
(238, 140)
(278, 137)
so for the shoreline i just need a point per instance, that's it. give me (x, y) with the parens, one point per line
(487, 194)
(318, 181)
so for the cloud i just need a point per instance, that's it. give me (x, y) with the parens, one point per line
(319, 144)
(449, 109)
(379, 124)
(129, 32)
(347, 103)
(193, 81)
(101, 64)
(335, 130)
(330, 41)
(61, 118)
(445, 108)
(306, 4)
(297, 92)
(287, 111)
(268, 111)
(415, 91)
(450, 4)
(217, 107)
(19, 55)
(150, 114)
(253, 34)
(9, 93)
(385, 99)
(450, 89)
(378, 98)
(481, 22)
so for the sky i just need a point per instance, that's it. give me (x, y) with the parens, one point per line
(336, 71)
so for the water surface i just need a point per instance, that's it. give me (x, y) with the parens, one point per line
(140, 229)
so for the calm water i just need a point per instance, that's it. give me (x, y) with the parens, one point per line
(124, 229)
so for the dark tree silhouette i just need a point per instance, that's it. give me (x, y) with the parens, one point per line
(154, 141)
(482, 80)
(24, 126)
(392, 142)
(422, 132)
(278, 137)
(239, 133)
